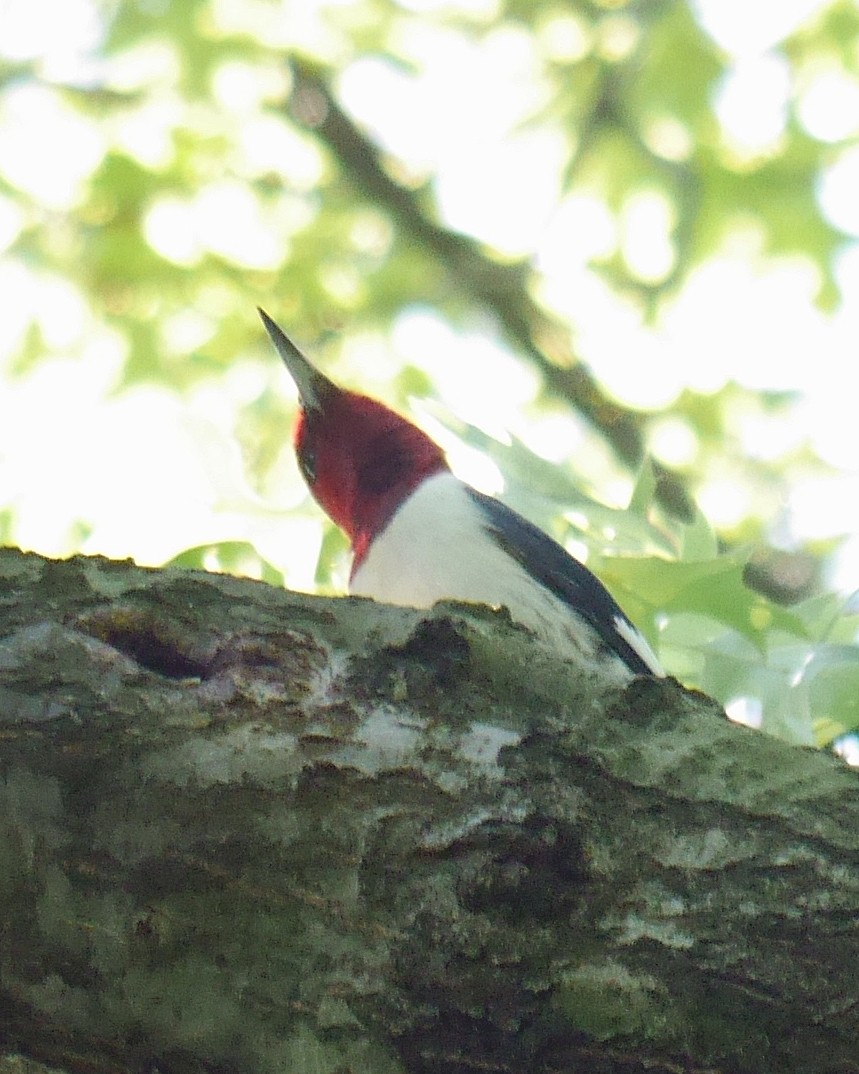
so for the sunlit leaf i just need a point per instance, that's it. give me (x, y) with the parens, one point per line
(229, 557)
(645, 489)
(130, 282)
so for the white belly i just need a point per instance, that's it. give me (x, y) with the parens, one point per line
(436, 548)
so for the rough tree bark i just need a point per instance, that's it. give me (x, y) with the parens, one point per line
(246, 830)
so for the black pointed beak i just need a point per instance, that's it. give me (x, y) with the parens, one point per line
(312, 385)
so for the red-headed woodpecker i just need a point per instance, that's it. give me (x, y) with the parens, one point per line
(419, 534)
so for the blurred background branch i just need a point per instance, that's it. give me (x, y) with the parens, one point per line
(501, 288)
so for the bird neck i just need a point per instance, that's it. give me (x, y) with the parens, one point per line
(369, 460)
(407, 465)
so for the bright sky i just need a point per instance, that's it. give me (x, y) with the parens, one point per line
(70, 449)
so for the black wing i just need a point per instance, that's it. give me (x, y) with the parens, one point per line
(570, 581)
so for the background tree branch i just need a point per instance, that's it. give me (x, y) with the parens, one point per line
(244, 829)
(501, 288)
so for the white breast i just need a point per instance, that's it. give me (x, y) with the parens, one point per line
(436, 547)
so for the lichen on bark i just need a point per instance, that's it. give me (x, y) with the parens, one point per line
(248, 830)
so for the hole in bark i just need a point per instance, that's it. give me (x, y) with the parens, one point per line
(150, 641)
(159, 655)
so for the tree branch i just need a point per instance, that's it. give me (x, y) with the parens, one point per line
(244, 829)
(500, 288)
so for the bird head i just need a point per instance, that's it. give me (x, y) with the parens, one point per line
(360, 459)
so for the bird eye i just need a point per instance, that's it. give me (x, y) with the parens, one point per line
(307, 465)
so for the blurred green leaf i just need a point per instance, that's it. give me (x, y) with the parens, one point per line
(832, 677)
(333, 554)
(229, 557)
(185, 100)
(698, 540)
(644, 491)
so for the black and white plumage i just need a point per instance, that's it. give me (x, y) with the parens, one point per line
(448, 541)
(420, 535)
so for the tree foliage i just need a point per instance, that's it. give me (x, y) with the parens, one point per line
(212, 156)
